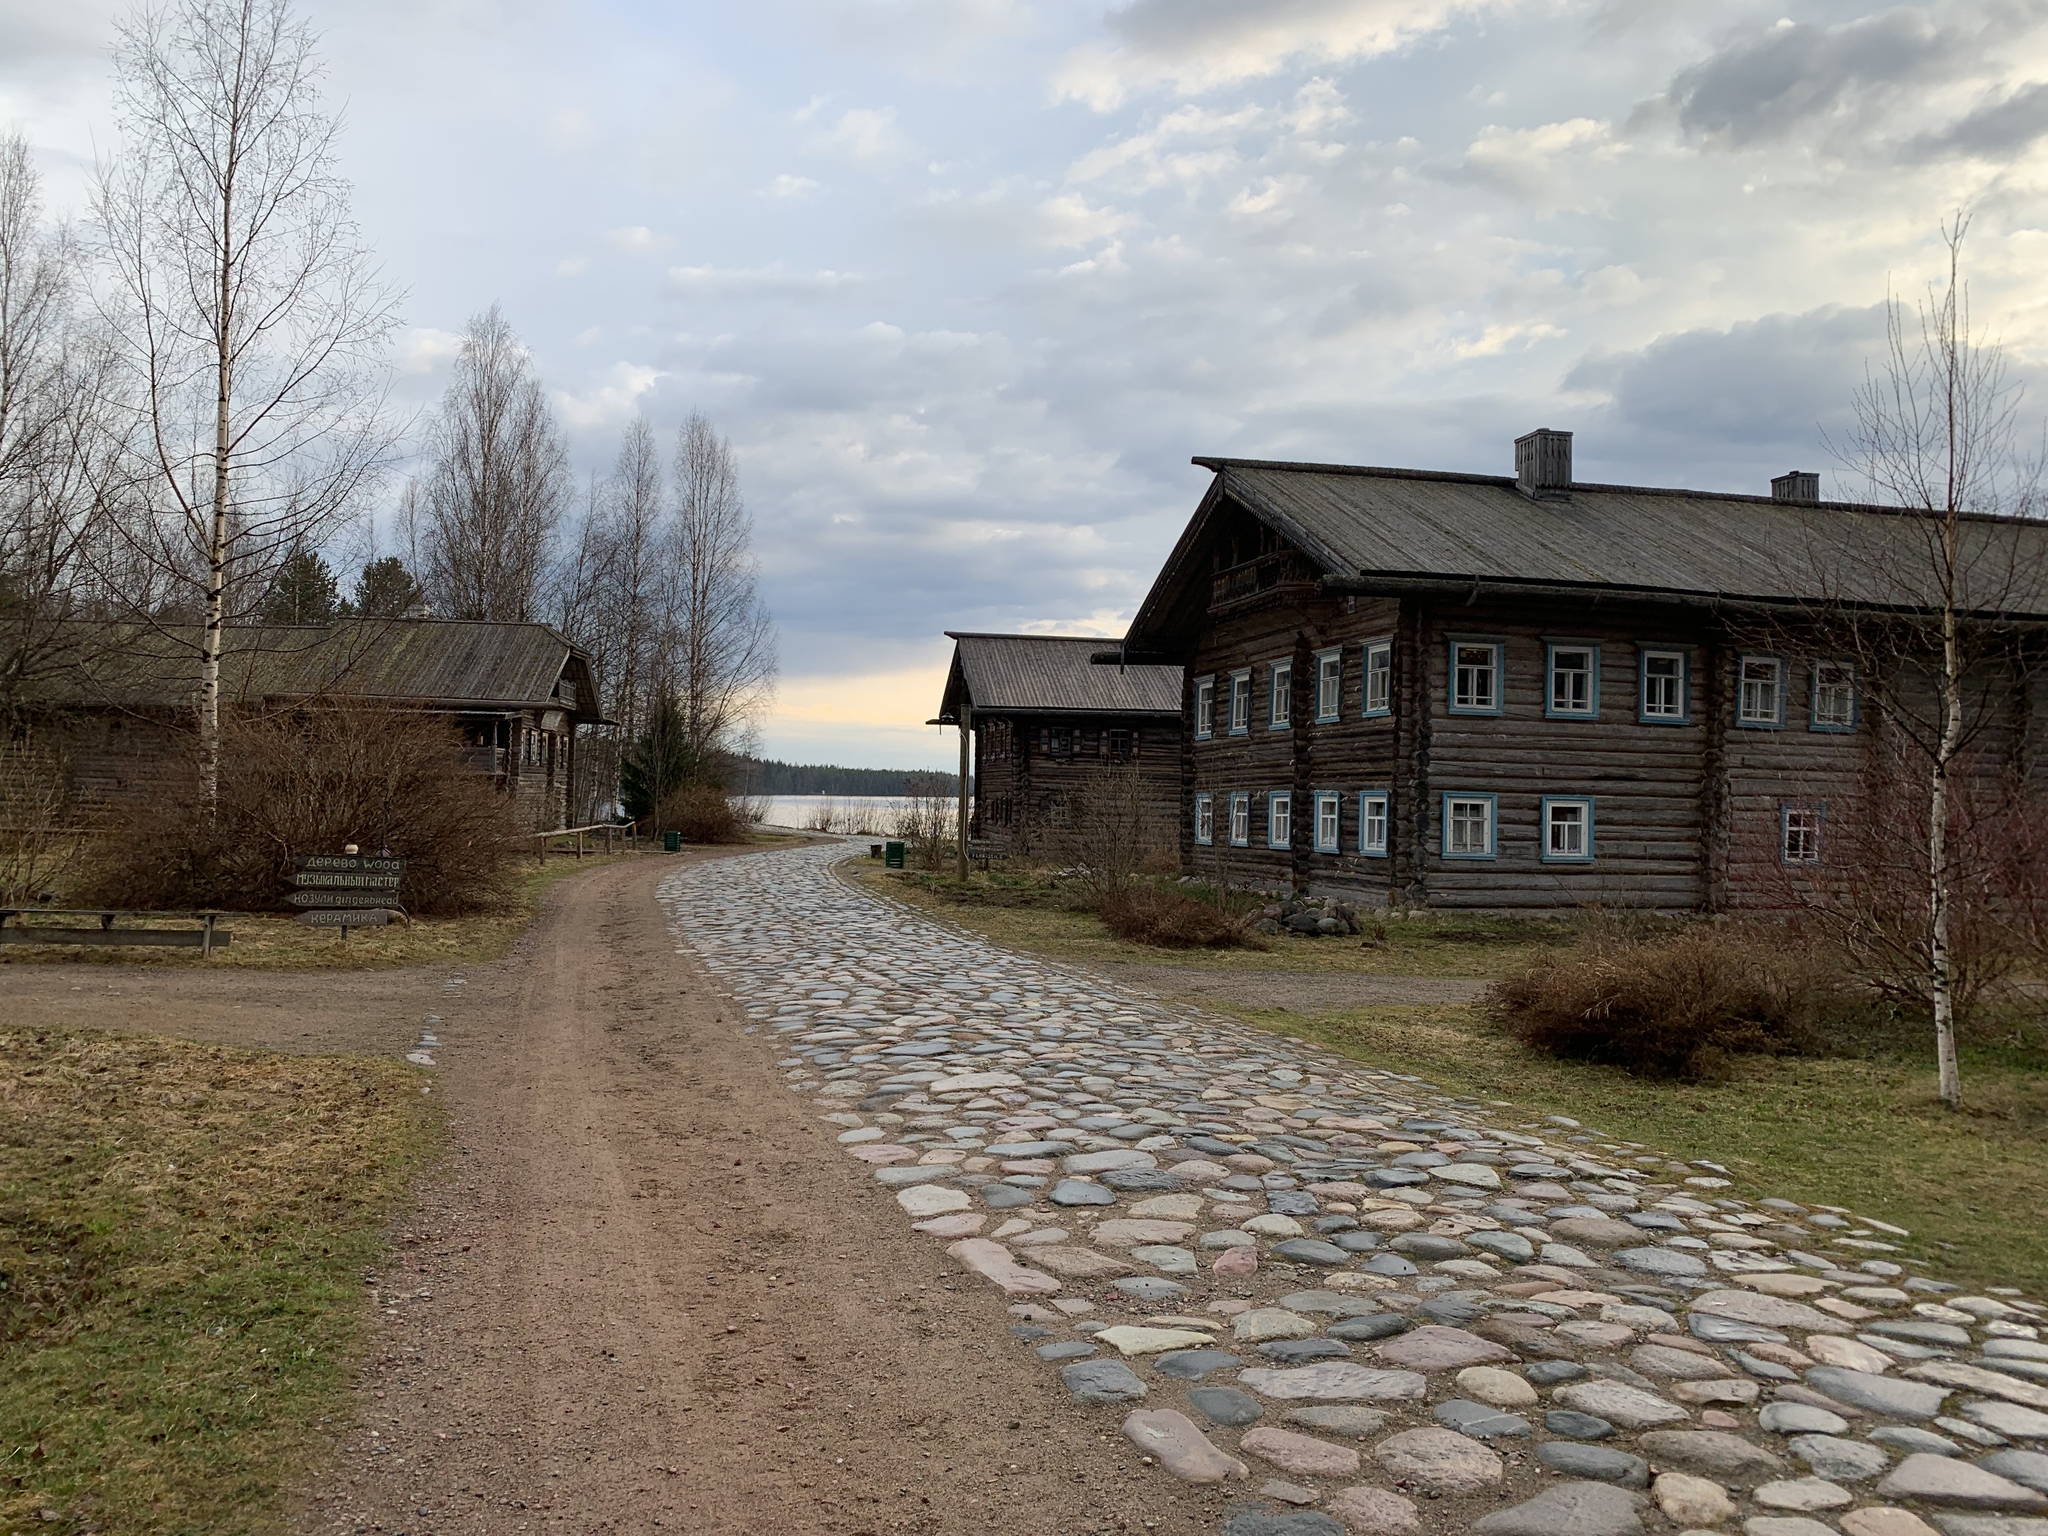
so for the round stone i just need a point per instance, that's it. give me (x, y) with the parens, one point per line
(1440, 1460)
(1490, 1384)
(1597, 1462)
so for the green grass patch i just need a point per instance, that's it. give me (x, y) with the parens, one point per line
(1865, 1132)
(184, 1231)
(1027, 910)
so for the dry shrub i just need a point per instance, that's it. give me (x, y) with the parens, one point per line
(1145, 914)
(1673, 1005)
(312, 783)
(703, 814)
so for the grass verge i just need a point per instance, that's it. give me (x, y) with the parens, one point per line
(1027, 912)
(183, 1231)
(1863, 1132)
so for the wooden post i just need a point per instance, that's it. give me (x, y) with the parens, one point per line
(206, 939)
(966, 716)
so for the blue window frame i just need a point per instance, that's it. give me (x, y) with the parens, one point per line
(1241, 820)
(1571, 680)
(1759, 693)
(1664, 686)
(1205, 819)
(1329, 686)
(1832, 703)
(1240, 702)
(1374, 823)
(1279, 819)
(1205, 708)
(1566, 830)
(1799, 833)
(1280, 695)
(1471, 826)
(1329, 828)
(1474, 680)
(1376, 685)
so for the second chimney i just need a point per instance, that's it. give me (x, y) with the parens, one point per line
(1543, 465)
(1796, 485)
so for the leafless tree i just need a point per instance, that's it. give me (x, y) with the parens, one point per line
(723, 644)
(1953, 630)
(54, 439)
(499, 486)
(248, 318)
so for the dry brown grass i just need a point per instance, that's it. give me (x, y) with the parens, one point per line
(1167, 919)
(183, 1230)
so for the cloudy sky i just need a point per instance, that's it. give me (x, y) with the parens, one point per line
(968, 281)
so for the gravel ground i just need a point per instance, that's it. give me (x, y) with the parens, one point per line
(1338, 1300)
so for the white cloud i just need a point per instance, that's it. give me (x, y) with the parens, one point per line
(421, 349)
(615, 397)
(1198, 45)
(789, 186)
(775, 281)
(636, 239)
(1067, 220)
(868, 137)
(1538, 165)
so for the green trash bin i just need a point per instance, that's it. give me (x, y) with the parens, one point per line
(671, 842)
(892, 855)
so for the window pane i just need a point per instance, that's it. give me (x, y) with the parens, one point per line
(1567, 831)
(1662, 679)
(1571, 682)
(1372, 824)
(1379, 678)
(1283, 695)
(1329, 687)
(1759, 701)
(1474, 682)
(1469, 826)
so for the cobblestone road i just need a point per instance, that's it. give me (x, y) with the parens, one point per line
(1376, 1307)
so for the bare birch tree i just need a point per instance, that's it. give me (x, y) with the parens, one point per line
(724, 652)
(1938, 431)
(500, 483)
(248, 318)
(57, 438)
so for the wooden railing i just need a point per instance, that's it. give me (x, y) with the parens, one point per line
(622, 836)
(205, 938)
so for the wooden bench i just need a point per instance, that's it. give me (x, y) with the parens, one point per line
(205, 938)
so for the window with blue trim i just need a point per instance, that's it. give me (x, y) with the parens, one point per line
(1279, 819)
(1760, 692)
(1567, 831)
(1377, 688)
(1280, 695)
(1573, 689)
(1205, 708)
(1240, 703)
(1372, 824)
(1475, 677)
(1469, 831)
(1833, 706)
(1329, 685)
(1205, 819)
(1241, 820)
(1663, 688)
(1329, 819)
(1799, 828)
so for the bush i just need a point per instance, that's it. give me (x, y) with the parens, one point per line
(1144, 914)
(1675, 1005)
(703, 814)
(304, 784)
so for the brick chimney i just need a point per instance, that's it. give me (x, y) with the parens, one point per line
(1543, 465)
(1796, 485)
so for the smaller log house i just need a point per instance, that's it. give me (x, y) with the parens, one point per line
(1048, 729)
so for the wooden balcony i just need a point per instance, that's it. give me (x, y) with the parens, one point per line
(1283, 574)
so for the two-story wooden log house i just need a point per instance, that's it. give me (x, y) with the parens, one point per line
(1523, 691)
(1050, 730)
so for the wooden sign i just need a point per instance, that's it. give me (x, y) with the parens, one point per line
(343, 898)
(347, 917)
(351, 863)
(324, 879)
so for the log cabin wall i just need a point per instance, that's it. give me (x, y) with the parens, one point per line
(1641, 777)
(1032, 774)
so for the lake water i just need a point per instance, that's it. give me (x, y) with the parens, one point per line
(850, 814)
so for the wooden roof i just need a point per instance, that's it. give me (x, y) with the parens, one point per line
(1408, 527)
(1051, 675)
(455, 664)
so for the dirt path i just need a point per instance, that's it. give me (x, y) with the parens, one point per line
(1299, 991)
(648, 1293)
